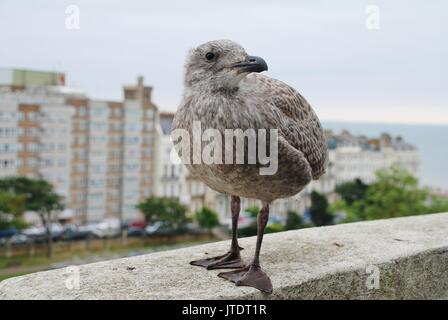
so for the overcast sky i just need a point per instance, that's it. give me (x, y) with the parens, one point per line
(398, 73)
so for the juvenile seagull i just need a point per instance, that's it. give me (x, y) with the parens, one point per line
(225, 90)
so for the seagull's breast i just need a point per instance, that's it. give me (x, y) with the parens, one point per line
(255, 105)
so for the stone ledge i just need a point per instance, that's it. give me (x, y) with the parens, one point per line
(410, 254)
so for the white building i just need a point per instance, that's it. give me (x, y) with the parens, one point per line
(36, 136)
(97, 154)
(56, 138)
(139, 142)
(97, 160)
(354, 157)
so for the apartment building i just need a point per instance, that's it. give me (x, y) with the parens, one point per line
(36, 136)
(170, 172)
(139, 142)
(97, 154)
(360, 157)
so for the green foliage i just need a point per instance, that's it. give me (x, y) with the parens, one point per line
(319, 210)
(167, 210)
(275, 227)
(352, 191)
(253, 211)
(436, 204)
(248, 231)
(252, 229)
(294, 221)
(395, 193)
(12, 208)
(207, 218)
(38, 194)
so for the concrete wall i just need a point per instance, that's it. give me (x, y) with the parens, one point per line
(403, 258)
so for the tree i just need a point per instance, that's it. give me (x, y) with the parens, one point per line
(207, 218)
(253, 211)
(12, 208)
(40, 197)
(294, 221)
(395, 193)
(436, 204)
(352, 191)
(319, 210)
(166, 210)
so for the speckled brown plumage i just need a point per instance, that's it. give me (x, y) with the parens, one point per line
(223, 90)
(258, 102)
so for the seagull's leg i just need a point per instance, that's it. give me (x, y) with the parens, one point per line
(252, 275)
(231, 259)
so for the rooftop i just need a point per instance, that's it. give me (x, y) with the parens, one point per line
(25, 78)
(385, 140)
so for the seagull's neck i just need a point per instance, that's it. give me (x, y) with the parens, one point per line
(211, 90)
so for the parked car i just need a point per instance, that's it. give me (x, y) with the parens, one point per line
(7, 233)
(19, 239)
(76, 233)
(34, 231)
(135, 231)
(39, 234)
(137, 224)
(108, 228)
(158, 228)
(136, 228)
(162, 228)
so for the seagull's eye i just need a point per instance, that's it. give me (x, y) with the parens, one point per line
(209, 56)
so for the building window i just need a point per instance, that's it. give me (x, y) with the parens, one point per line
(99, 112)
(132, 140)
(117, 126)
(7, 164)
(7, 116)
(117, 112)
(149, 126)
(32, 116)
(82, 111)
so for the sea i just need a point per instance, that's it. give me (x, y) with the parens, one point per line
(431, 140)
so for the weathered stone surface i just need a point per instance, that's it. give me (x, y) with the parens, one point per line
(335, 262)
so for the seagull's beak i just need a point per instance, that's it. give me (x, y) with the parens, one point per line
(251, 64)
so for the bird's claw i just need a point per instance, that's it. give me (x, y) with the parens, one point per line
(250, 276)
(230, 260)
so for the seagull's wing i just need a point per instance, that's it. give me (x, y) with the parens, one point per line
(301, 127)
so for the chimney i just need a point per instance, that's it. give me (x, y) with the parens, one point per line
(140, 88)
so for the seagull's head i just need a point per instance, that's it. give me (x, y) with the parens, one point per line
(220, 64)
